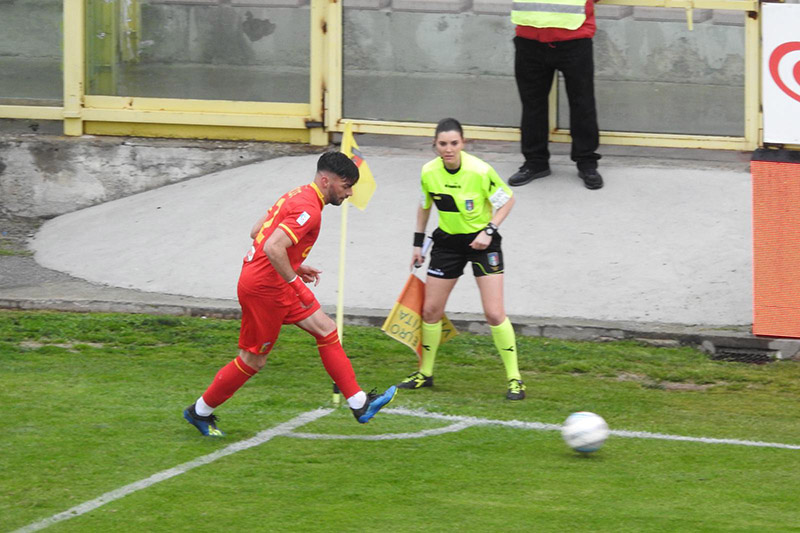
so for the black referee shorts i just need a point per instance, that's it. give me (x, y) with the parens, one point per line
(451, 253)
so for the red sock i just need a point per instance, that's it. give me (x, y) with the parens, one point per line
(227, 381)
(337, 364)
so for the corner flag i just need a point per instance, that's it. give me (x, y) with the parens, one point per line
(404, 323)
(365, 188)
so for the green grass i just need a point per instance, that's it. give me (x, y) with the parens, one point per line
(93, 402)
(8, 247)
(6, 252)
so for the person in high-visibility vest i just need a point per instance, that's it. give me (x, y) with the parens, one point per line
(551, 37)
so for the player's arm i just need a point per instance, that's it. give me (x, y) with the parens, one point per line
(423, 215)
(275, 250)
(257, 226)
(309, 274)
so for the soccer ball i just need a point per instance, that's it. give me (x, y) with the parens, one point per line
(584, 431)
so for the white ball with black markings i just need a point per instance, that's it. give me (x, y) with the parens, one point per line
(584, 431)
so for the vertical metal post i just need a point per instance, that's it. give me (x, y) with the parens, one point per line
(335, 65)
(552, 106)
(74, 65)
(103, 36)
(752, 79)
(318, 67)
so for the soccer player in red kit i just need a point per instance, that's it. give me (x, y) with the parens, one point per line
(272, 292)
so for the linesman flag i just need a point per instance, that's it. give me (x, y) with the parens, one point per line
(404, 323)
(365, 188)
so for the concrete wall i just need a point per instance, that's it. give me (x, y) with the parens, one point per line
(44, 176)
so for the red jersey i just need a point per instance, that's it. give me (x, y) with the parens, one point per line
(298, 213)
(553, 35)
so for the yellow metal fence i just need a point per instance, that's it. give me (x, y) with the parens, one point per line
(313, 122)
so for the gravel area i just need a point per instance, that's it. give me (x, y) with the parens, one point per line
(15, 232)
(17, 266)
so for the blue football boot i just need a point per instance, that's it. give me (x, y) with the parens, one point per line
(374, 404)
(207, 425)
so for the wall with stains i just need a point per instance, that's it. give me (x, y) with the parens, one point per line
(46, 176)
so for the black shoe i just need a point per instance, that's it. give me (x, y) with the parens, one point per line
(207, 425)
(417, 380)
(516, 389)
(591, 178)
(527, 174)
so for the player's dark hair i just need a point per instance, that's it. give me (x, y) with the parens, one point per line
(339, 164)
(448, 124)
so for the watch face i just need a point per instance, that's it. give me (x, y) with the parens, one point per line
(489, 230)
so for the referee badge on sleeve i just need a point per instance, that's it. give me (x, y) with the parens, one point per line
(499, 198)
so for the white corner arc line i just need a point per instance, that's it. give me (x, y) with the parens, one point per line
(452, 428)
(259, 438)
(473, 420)
(616, 432)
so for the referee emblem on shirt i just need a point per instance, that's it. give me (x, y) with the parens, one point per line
(469, 204)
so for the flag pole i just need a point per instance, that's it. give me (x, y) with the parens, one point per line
(340, 291)
(362, 192)
(342, 250)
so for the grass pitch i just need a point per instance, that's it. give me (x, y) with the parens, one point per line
(92, 403)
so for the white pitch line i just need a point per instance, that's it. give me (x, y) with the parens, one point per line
(473, 420)
(452, 428)
(617, 432)
(260, 438)
(704, 440)
(286, 430)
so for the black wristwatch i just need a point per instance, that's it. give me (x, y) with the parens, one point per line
(490, 229)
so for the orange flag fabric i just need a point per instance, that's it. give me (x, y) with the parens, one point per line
(404, 323)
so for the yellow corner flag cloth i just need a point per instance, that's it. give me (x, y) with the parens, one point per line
(404, 323)
(365, 188)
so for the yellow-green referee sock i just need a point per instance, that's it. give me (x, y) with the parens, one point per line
(431, 336)
(506, 343)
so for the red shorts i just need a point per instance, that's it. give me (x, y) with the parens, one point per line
(263, 316)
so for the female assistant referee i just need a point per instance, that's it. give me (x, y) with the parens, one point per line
(472, 201)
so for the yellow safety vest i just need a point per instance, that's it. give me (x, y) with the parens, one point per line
(567, 14)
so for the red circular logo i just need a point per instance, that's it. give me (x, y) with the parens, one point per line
(775, 59)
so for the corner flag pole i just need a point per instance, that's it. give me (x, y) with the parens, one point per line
(362, 192)
(340, 290)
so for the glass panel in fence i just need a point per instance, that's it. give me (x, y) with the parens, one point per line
(414, 61)
(654, 75)
(254, 50)
(31, 52)
(421, 61)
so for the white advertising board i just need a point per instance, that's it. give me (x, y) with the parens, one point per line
(780, 72)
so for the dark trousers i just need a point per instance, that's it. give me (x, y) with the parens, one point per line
(535, 63)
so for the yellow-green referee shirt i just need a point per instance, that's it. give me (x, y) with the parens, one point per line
(466, 199)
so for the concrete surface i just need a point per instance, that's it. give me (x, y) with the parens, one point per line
(659, 243)
(662, 253)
